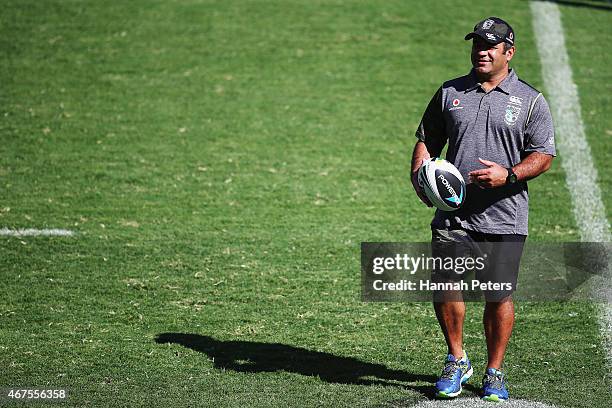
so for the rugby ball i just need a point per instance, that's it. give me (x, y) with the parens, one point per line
(442, 183)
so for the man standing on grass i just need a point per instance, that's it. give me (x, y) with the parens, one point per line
(500, 134)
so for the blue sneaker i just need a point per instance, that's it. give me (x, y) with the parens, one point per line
(494, 386)
(455, 373)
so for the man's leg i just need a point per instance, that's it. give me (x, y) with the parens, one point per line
(498, 320)
(451, 316)
(449, 304)
(450, 311)
(498, 317)
(457, 367)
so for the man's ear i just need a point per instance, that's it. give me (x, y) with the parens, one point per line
(510, 53)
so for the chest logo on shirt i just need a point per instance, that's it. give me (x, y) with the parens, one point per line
(515, 100)
(512, 114)
(456, 105)
(513, 110)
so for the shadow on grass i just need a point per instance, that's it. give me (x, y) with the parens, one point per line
(256, 357)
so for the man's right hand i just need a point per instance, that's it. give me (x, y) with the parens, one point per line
(419, 156)
(419, 191)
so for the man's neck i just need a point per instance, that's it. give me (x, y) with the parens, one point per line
(489, 82)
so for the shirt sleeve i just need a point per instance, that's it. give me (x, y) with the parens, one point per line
(539, 131)
(431, 130)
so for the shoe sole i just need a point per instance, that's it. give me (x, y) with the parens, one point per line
(464, 378)
(493, 398)
(443, 395)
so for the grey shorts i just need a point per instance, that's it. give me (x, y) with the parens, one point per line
(495, 263)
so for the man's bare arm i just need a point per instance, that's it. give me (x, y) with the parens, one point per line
(532, 166)
(495, 175)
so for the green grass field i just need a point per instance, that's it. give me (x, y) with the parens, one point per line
(221, 163)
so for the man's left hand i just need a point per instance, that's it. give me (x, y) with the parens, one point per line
(492, 176)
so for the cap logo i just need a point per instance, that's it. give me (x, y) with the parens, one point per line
(491, 36)
(511, 35)
(456, 102)
(487, 24)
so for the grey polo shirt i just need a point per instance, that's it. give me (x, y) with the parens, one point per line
(503, 125)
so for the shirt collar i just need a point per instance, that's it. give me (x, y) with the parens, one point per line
(507, 83)
(473, 82)
(503, 86)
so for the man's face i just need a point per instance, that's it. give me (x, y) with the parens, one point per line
(489, 59)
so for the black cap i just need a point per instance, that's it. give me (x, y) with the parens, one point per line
(493, 30)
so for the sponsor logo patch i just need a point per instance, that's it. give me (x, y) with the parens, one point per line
(456, 105)
(491, 37)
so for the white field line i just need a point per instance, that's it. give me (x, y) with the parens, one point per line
(31, 232)
(576, 158)
(562, 96)
(473, 402)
